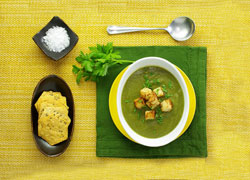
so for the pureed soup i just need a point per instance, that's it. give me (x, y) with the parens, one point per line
(152, 77)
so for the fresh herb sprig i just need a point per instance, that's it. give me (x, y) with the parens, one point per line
(149, 81)
(159, 116)
(166, 91)
(97, 63)
(170, 84)
(127, 101)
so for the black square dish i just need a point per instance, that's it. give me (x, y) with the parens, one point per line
(55, 21)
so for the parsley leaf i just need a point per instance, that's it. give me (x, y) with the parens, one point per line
(75, 69)
(151, 73)
(164, 89)
(79, 77)
(168, 96)
(139, 115)
(147, 84)
(170, 84)
(97, 63)
(127, 101)
(159, 116)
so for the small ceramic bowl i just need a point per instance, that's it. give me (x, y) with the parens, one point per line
(175, 133)
(55, 21)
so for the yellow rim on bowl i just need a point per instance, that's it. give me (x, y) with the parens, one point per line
(113, 107)
(192, 101)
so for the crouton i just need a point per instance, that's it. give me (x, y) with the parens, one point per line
(145, 93)
(159, 92)
(166, 105)
(150, 115)
(139, 103)
(153, 101)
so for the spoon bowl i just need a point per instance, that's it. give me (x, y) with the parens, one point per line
(181, 29)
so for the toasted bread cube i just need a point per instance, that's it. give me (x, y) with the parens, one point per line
(145, 93)
(159, 92)
(166, 105)
(139, 103)
(150, 115)
(153, 101)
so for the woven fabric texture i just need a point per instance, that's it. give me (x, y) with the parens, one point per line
(221, 25)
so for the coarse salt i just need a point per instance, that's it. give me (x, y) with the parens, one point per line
(56, 39)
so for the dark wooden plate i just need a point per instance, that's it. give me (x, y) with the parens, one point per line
(55, 21)
(56, 84)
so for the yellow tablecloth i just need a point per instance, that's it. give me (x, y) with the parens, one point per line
(221, 25)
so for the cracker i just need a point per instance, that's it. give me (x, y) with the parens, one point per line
(59, 108)
(52, 136)
(53, 125)
(51, 97)
(53, 119)
(56, 116)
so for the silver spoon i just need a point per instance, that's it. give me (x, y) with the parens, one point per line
(181, 29)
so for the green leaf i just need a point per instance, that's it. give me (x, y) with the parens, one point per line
(99, 48)
(92, 49)
(164, 88)
(79, 59)
(168, 95)
(84, 74)
(87, 78)
(88, 65)
(97, 55)
(159, 120)
(159, 116)
(108, 57)
(115, 56)
(170, 84)
(79, 77)
(147, 83)
(81, 53)
(75, 69)
(101, 60)
(97, 63)
(139, 115)
(127, 101)
(94, 78)
(104, 69)
(145, 77)
(108, 48)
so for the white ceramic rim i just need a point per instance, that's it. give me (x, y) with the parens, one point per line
(165, 64)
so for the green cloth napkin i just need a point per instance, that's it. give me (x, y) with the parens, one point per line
(193, 143)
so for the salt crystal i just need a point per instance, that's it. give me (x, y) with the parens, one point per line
(56, 39)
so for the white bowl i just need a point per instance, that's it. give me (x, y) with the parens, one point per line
(163, 63)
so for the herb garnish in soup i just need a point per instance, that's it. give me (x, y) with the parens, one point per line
(152, 102)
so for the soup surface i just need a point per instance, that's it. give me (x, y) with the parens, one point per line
(152, 77)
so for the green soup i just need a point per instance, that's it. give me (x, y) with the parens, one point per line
(152, 77)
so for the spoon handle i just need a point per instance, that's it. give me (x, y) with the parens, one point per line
(120, 29)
